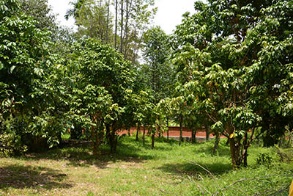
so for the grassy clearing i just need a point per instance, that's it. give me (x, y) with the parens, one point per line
(168, 169)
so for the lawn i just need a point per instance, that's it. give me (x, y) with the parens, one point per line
(169, 169)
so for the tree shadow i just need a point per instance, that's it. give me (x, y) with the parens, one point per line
(197, 169)
(20, 177)
(82, 156)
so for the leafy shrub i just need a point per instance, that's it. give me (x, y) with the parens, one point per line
(264, 159)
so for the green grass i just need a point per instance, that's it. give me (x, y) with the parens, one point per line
(135, 169)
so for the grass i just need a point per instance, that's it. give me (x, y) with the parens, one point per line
(135, 169)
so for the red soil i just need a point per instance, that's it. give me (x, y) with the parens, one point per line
(173, 132)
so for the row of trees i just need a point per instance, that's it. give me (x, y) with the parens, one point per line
(227, 68)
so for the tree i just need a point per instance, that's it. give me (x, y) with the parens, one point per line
(189, 63)
(40, 12)
(93, 19)
(157, 70)
(273, 60)
(121, 28)
(243, 76)
(24, 61)
(135, 17)
(108, 78)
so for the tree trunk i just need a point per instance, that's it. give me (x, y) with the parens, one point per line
(116, 24)
(207, 129)
(158, 128)
(108, 22)
(193, 135)
(245, 149)
(111, 136)
(217, 141)
(180, 124)
(137, 132)
(122, 25)
(126, 30)
(94, 135)
(235, 152)
(153, 140)
(143, 135)
(167, 123)
(97, 137)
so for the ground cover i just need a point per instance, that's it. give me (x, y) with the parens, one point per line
(169, 169)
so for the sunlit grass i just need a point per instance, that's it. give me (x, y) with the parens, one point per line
(136, 169)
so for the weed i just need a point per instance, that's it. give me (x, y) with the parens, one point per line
(264, 159)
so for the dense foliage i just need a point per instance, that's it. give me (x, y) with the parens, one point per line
(233, 60)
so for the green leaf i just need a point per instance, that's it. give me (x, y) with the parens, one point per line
(12, 68)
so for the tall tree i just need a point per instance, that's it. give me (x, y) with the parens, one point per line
(157, 68)
(122, 29)
(41, 12)
(93, 19)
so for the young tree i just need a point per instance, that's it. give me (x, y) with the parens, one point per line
(24, 64)
(243, 79)
(108, 77)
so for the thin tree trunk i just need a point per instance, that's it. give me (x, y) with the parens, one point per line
(153, 140)
(167, 122)
(246, 144)
(217, 141)
(97, 135)
(122, 25)
(116, 24)
(108, 22)
(126, 31)
(193, 135)
(94, 138)
(181, 124)
(137, 131)
(158, 128)
(100, 30)
(143, 135)
(245, 149)
(207, 129)
(111, 136)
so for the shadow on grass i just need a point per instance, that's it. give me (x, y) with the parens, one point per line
(128, 150)
(20, 177)
(195, 169)
(81, 155)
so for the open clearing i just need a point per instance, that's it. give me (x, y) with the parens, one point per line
(135, 169)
